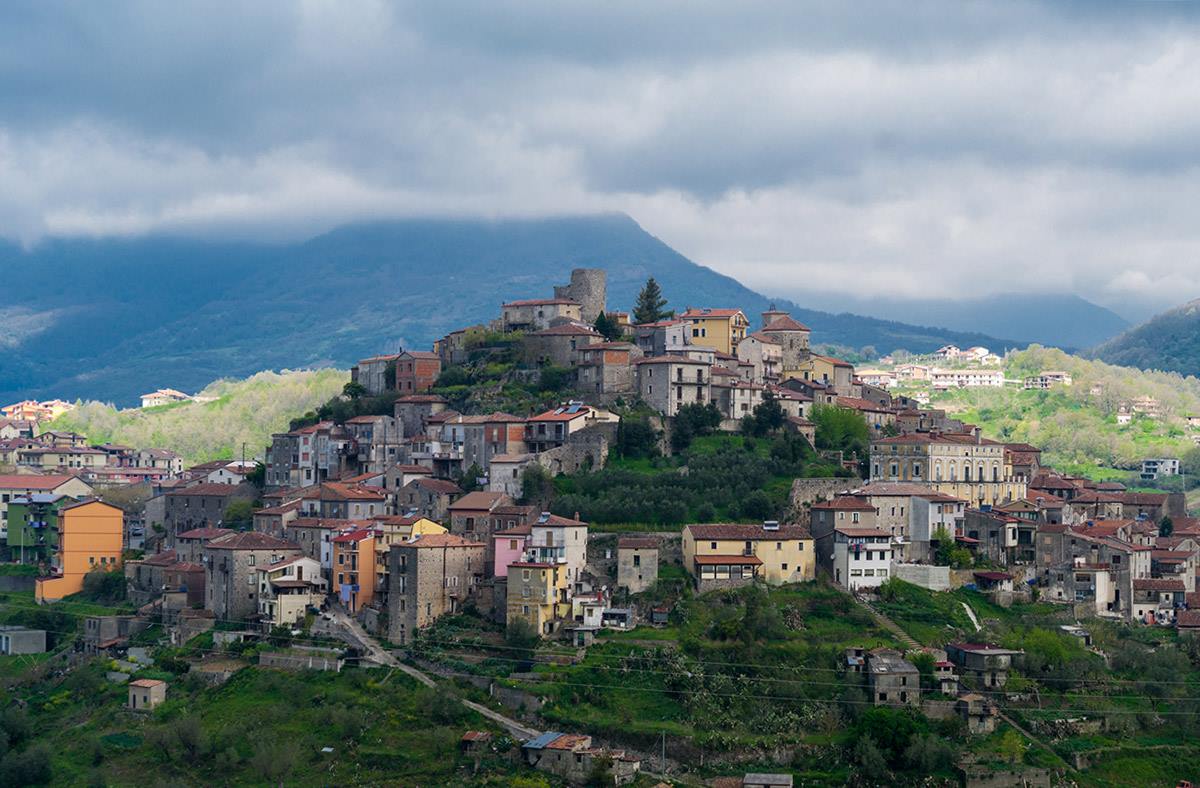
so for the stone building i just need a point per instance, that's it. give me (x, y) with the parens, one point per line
(428, 497)
(559, 345)
(430, 576)
(231, 564)
(413, 411)
(201, 506)
(667, 383)
(588, 287)
(637, 563)
(607, 368)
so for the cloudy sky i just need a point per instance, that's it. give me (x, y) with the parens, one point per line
(897, 149)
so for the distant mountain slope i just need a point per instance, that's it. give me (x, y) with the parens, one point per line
(1170, 342)
(107, 319)
(1065, 321)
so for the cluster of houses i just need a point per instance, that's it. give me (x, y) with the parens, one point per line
(31, 412)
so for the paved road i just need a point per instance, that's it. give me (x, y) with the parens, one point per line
(353, 632)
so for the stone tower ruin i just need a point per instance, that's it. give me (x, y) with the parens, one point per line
(589, 287)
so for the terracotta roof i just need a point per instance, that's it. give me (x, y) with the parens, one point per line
(208, 489)
(993, 576)
(165, 558)
(422, 355)
(670, 358)
(249, 540)
(729, 560)
(858, 403)
(719, 531)
(31, 481)
(786, 323)
(1187, 619)
(1158, 584)
(354, 536)
(411, 469)
(421, 398)
(479, 499)
(330, 523)
(555, 519)
(563, 413)
(516, 530)
(440, 540)
(1144, 499)
(845, 503)
(337, 491)
(637, 543)
(146, 683)
(444, 486)
(205, 533)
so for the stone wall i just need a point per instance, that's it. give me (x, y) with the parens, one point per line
(806, 492)
(588, 286)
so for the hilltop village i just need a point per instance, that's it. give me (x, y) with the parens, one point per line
(568, 478)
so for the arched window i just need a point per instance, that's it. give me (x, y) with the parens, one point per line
(937, 471)
(966, 472)
(953, 472)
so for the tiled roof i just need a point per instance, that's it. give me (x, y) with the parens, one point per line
(205, 533)
(845, 503)
(249, 540)
(30, 481)
(1188, 619)
(786, 323)
(1158, 584)
(637, 543)
(862, 530)
(567, 330)
(443, 486)
(208, 489)
(354, 536)
(720, 531)
(670, 358)
(702, 313)
(479, 499)
(337, 491)
(440, 540)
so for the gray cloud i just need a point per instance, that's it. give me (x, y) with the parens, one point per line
(925, 148)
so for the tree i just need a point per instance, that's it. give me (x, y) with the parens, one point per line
(693, 421)
(650, 304)
(104, 587)
(354, 390)
(607, 327)
(239, 514)
(537, 486)
(871, 762)
(768, 416)
(1012, 746)
(1166, 526)
(637, 439)
(470, 478)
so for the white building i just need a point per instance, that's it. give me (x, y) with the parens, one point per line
(943, 379)
(558, 540)
(862, 556)
(1154, 467)
(163, 397)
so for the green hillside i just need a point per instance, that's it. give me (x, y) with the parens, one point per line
(1169, 341)
(244, 412)
(1076, 425)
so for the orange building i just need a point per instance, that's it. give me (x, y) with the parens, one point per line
(354, 575)
(90, 537)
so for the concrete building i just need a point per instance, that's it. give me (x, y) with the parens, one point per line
(719, 329)
(201, 506)
(982, 665)
(572, 757)
(287, 589)
(91, 538)
(146, 694)
(354, 574)
(16, 640)
(535, 314)
(962, 465)
(431, 575)
(24, 485)
(637, 563)
(862, 556)
(892, 680)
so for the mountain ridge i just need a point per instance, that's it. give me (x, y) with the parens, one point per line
(1169, 341)
(110, 318)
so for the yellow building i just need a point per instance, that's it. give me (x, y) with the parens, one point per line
(963, 465)
(537, 593)
(91, 536)
(720, 329)
(829, 371)
(396, 530)
(723, 554)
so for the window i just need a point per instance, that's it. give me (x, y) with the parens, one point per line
(779, 545)
(250, 560)
(637, 560)
(783, 567)
(712, 545)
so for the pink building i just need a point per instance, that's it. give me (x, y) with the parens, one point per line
(508, 546)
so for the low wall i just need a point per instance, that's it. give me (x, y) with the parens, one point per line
(935, 578)
(16, 583)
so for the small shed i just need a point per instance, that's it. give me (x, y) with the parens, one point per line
(146, 694)
(475, 741)
(19, 640)
(617, 618)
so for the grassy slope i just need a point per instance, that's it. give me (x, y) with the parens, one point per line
(244, 412)
(1077, 429)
